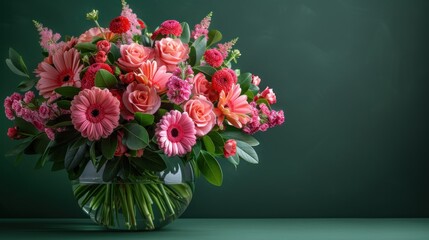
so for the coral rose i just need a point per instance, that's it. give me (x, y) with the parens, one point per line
(201, 111)
(140, 98)
(170, 52)
(133, 55)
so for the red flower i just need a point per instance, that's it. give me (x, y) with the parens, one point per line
(127, 78)
(224, 80)
(172, 27)
(12, 133)
(213, 57)
(103, 45)
(141, 23)
(230, 148)
(120, 25)
(101, 57)
(89, 76)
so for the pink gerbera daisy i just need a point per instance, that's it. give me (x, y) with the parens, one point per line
(64, 71)
(95, 113)
(175, 133)
(234, 107)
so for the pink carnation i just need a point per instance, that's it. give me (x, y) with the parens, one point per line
(179, 90)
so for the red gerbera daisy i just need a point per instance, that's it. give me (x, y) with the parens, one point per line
(120, 25)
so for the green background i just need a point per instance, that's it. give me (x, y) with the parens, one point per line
(351, 75)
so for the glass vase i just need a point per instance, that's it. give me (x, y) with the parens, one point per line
(138, 203)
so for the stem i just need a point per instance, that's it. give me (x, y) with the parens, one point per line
(99, 27)
(167, 199)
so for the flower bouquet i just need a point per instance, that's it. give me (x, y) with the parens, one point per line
(134, 115)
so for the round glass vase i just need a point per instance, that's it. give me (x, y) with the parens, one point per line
(137, 203)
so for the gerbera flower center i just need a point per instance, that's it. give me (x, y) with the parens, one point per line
(94, 114)
(175, 133)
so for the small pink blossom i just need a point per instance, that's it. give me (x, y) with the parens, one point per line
(28, 97)
(101, 57)
(256, 80)
(179, 90)
(224, 48)
(44, 111)
(9, 114)
(201, 29)
(50, 133)
(12, 133)
(121, 149)
(135, 28)
(230, 148)
(269, 95)
(103, 45)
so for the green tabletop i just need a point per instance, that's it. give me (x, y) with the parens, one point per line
(223, 229)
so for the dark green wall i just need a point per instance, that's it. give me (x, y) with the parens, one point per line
(352, 76)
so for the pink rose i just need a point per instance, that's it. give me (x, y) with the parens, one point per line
(200, 110)
(12, 132)
(101, 57)
(230, 148)
(256, 80)
(103, 45)
(121, 149)
(203, 87)
(170, 52)
(140, 98)
(269, 95)
(133, 55)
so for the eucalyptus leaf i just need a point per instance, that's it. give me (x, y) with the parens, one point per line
(246, 152)
(26, 85)
(86, 47)
(245, 80)
(200, 47)
(239, 135)
(15, 69)
(144, 119)
(206, 70)
(17, 61)
(67, 91)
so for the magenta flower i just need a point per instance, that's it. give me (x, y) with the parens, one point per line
(179, 90)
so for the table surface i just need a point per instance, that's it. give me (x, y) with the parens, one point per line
(224, 229)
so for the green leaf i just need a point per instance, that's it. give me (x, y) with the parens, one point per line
(214, 37)
(42, 160)
(244, 80)
(25, 127)
(57, 166)
(92, 154)
(62, 120)
(192, 56)
(235, 160)
(115, 52)
(108, 146)
(254, 89)
(26, 85)
(136, 136)
(17, 61)
(150, 161)
(64, 104)
(111, 169)
(67, 91)
(200, 47)
(38, 145)
(246, 152)
(18, 149)
(186, 33)
(263, 101)
(241, 136)
(144, 119)
(250, 95)
(86, 47)
(96, 39)
(196, 149)
(208, 144)
(75, 154)
(15, 70)
(218, 141)
(206, 70)
(104, 79)
(210, 168)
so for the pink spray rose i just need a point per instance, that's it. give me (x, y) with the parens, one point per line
(170, 52)
(103, 45)
(230, 148)
(269, 95)
(133, 55)
(141, 98)
(200, 110)
(256, 80)
(121, 149)
(101, 57)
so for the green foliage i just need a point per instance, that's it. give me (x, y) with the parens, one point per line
(86, 47)
(197, 51)
(64, 104)
(246, 152)
(67, 91)
(136, 137)
(245, 80)
(144, 119)
(241, 136)
(186, 33)
(150, 161)
(108, 146)
(208, 144)
(114, 53)
(214, 37)
(26, 85)
(218, 142)
(206, 70)
(16, 64)
(75, 154)
(111, 169)
(104, 79)
(210, 168)
(25, 127)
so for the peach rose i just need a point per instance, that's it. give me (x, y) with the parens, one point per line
(203, 87)
(133, 55)
(201, 111)
(230, 148)
(170, 52)
(140, 98)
